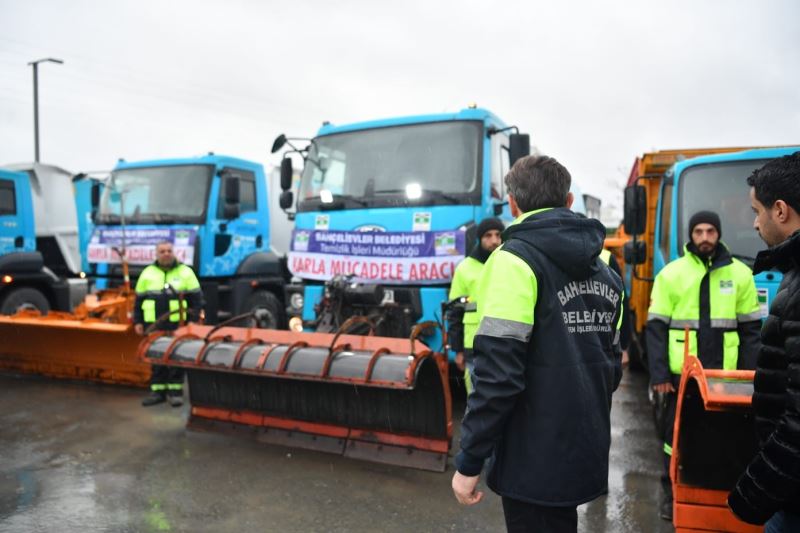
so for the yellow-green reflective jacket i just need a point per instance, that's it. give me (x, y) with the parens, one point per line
(465, 283)
(711, 298)
(157, 292)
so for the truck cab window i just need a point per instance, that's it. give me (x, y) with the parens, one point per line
(247, 191)
(8, 201)
(499, 165)
(666, 217)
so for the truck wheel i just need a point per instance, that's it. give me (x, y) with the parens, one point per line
(24, 298)
(268, 302)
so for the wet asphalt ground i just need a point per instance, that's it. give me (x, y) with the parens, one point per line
(77, 457)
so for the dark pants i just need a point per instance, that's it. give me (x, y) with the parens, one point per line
(167, 380)
(524, 517)
(668, 430)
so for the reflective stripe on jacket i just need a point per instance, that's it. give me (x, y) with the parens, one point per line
(157, 291)
(711, 298)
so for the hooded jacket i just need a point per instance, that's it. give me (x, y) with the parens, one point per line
(547, 360)
(772, 479)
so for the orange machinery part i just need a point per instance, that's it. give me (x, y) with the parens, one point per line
(94, 343)
(698, 508)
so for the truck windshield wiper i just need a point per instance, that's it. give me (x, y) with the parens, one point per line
(435, 193)
(338, 199)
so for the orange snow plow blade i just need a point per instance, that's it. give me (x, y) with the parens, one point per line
(374, 398)
(95, 343)
(714, 441)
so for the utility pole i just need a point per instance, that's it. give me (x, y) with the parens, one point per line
(35, 65)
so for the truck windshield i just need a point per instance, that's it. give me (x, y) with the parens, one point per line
(435, 163)
(156, 195)
(722, 187)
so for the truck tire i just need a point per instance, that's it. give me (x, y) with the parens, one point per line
(24, 298)
(268, 302)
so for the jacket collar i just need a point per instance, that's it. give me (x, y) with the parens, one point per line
(722, 256)
(783, 256)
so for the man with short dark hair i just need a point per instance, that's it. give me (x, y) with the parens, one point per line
(714, 295)
(769, 490)
(167, 292)
(547, 359)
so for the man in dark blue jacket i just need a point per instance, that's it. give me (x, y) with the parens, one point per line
(547, 359)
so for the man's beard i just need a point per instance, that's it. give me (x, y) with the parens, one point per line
(706, 249)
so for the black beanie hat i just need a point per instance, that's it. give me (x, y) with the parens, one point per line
(704, 217)
(490, 224)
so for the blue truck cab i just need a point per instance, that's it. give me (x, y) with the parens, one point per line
(214, 210)
(385, 211)
(25, 281)
(716, 183)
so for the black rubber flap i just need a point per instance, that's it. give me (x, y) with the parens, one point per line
(418, 410)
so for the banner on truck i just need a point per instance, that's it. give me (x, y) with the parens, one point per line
(418, 257)
(140, 244)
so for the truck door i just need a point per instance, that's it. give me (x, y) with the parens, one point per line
(15, 235)
(239, 232)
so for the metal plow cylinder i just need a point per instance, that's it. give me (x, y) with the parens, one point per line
(62, 345)
(374, 398)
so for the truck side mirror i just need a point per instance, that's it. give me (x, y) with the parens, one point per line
(635, 210)
(278, 143)
(286, 200)
(519, 146)
(635, 253)
(287, 174)
(232, 190)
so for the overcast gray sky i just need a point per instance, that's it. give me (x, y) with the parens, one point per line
(594, 83)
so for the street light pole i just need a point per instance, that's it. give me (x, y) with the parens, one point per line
(35, 65)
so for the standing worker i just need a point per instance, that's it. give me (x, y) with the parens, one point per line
(714, 295)
(465, 284)
(547, 359)
(166, 287)
(769, 489)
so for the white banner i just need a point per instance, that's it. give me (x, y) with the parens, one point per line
(388, 270)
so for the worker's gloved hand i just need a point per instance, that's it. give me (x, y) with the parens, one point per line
(138, 329)
(464, 489)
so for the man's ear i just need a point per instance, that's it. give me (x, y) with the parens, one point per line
(512, 205)
(780, 210)
(570, 199)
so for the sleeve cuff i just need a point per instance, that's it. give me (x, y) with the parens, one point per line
(468, 465)
(744, 511)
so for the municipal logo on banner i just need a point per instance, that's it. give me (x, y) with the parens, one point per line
(300, 242)
(422, 222)
(763, 302)
(445, 244)
(321, 222)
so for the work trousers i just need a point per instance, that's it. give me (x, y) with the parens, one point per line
(668, 430)
(524, 517)
(166, 380)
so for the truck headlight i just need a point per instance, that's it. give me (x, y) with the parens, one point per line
(296, 301)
